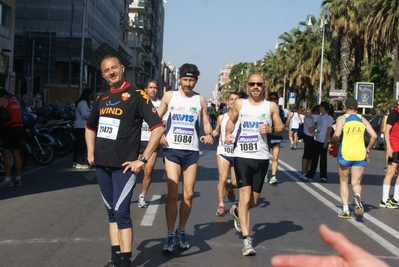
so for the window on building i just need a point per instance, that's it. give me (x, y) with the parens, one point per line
(5, 15)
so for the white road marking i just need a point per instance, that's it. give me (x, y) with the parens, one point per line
(151, 211)
(377, 238)
(51, 240)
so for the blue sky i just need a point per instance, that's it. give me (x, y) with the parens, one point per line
(214, 33)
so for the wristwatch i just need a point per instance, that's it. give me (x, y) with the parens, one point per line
(143, 159)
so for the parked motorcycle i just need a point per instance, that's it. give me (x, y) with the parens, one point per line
(38, 144)
(62, 131)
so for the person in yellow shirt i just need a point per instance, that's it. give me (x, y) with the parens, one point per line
(352, 154)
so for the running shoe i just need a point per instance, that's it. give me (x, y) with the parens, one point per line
(111, 264)
(141, 203)
(220, 211)
(230, 193)
(18, 182)
(387, 205)
(306, 179)
(170, 244)
(181, 239)
(273, 180)
(359, 210)
(6, 184)
(248, 250)
(344, 215)
(233, 211)
(393, 201)
(323, 180)
(81, 166)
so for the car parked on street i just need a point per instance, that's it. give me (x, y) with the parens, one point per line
(378, 122)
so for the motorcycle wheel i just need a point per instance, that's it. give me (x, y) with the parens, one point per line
(66, 144)
(42, 159)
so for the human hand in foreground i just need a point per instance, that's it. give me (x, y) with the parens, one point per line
(350, 255)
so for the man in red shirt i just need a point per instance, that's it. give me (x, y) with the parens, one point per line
(392, 154)
(10, 135)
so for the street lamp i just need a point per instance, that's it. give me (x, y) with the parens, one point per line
(323, 22)
(285, 69)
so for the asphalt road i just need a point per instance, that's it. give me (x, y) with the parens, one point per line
(58, 219)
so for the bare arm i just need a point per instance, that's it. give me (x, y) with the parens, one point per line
(163, 107)
(90, 136)
(306, 114)
(277, 123)
(207, 139)
(388, 149)
(216, 131)
(232, 121)
(338, 129)
(373, 134)
(287, 123)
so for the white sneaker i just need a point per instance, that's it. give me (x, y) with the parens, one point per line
(81, 166)
(141, 203)
(248, 250)
(273, 180)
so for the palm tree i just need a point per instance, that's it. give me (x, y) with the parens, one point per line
(339, 14)
(382, 30)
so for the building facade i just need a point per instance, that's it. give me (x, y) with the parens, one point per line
(59, 44)
(7, 26)
(223, 78)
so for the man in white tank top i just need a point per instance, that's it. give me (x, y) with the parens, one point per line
(251, 151)
(186, 110)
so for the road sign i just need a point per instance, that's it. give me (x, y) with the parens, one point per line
(337, 92)
(291, 98)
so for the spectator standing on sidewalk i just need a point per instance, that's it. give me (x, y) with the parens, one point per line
(82, 113)
(10, 134)
(256, 116)
(113, 133)
(225, 158)
(352, 154)
(308, 136)
(323, 130)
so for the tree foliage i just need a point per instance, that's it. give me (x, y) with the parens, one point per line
(361, 38)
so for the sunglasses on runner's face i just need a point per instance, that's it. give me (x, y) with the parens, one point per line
(253, 84)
